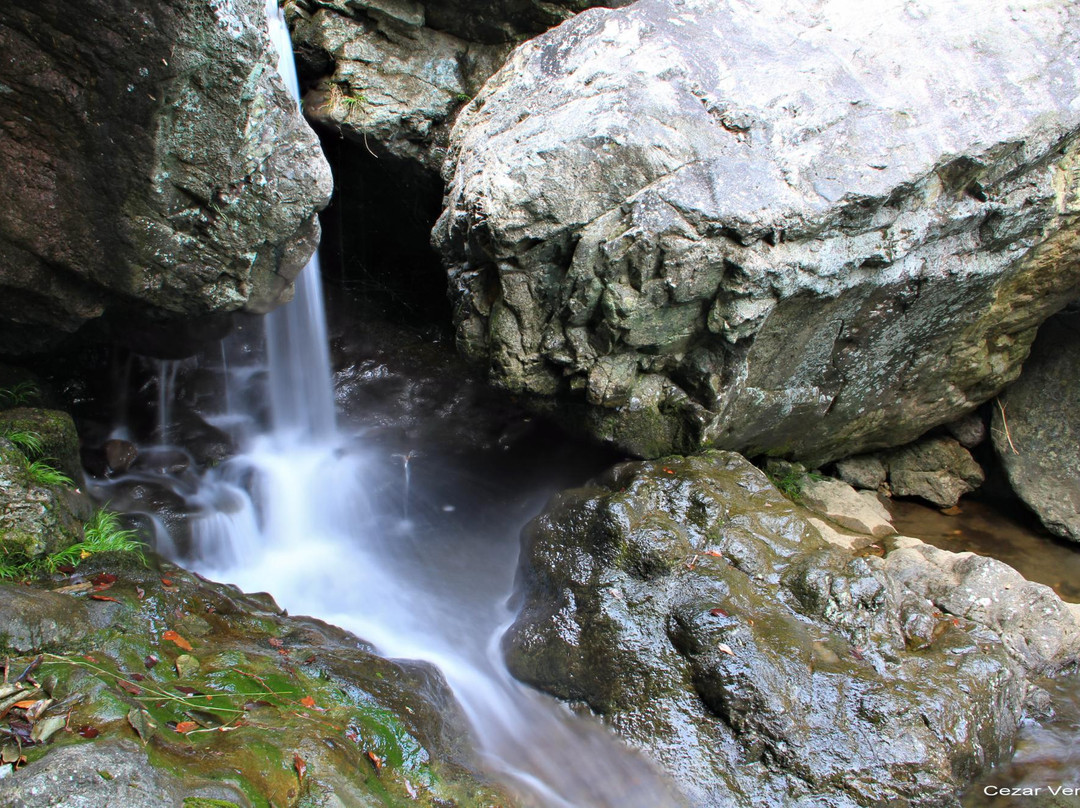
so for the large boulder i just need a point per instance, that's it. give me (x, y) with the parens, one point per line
(733, 225)
(152, 161)
(696, 610)
(1036, 428)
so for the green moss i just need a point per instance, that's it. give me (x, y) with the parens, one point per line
(204, 802)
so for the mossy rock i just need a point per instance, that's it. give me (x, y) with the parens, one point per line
(35, 520)
(279, 711)
(59, 440)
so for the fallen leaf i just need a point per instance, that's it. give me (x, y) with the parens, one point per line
(173, 637)
(103, 597)
(301, 766)
(718, 613)
(47, 727)
(22, 705)
(150, 661)
(89, 732)
(274, 641)
(307, 701)
(140, 593)
(376, 761)
(668, 471)
(187, 691)
(141, 723)
(134, 690)
(88, 658)
(103, 579)
(74, 589)
(185, 727)
(857, 652)
(283, 651)
(186, 666)
(311, 659)
(137, 677)
(167, 581)
(205, 719)
(714, 553)
(724, 648)
(254, 705)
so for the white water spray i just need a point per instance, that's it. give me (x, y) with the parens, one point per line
(291, 516)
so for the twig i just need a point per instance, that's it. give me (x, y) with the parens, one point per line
(1005, 424)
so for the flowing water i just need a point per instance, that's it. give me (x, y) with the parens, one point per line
(385, 541)
(376, 525)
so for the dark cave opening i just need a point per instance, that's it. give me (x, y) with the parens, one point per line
(376, 254)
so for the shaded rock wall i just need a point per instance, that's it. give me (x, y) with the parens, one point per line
(1036, 429)
(152, 159)
(804, 234)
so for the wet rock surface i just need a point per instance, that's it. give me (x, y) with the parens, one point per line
(692, 606)
(640, 223)
(110, 774)
(153, 161)
(1038, 439)
(192, 689)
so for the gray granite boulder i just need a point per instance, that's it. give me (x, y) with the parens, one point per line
(805, 234)
(1038, 438)
(152, 161)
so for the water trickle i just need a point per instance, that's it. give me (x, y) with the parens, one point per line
(291, 515)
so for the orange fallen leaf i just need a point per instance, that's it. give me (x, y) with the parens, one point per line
(376, 761)
(274, 641)
(185, 727)
(167, 581)
(301, 766)
(103, 597)
(22, 705)
(172, 636)
(307, 701)
(134, 690)
(668, 471)
(714, 553)
(718, 613)
(88, 658)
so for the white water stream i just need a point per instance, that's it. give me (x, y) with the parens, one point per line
(291, 515)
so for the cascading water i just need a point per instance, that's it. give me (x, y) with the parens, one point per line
(290, 515)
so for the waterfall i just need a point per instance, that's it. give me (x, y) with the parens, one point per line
(291, 514)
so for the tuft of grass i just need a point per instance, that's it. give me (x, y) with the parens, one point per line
(19, 395)
(102, 534)
(43, 474)
(790, 483)
(27, 442)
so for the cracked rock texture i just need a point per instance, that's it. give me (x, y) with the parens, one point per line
(152, 162)
(807, 234)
